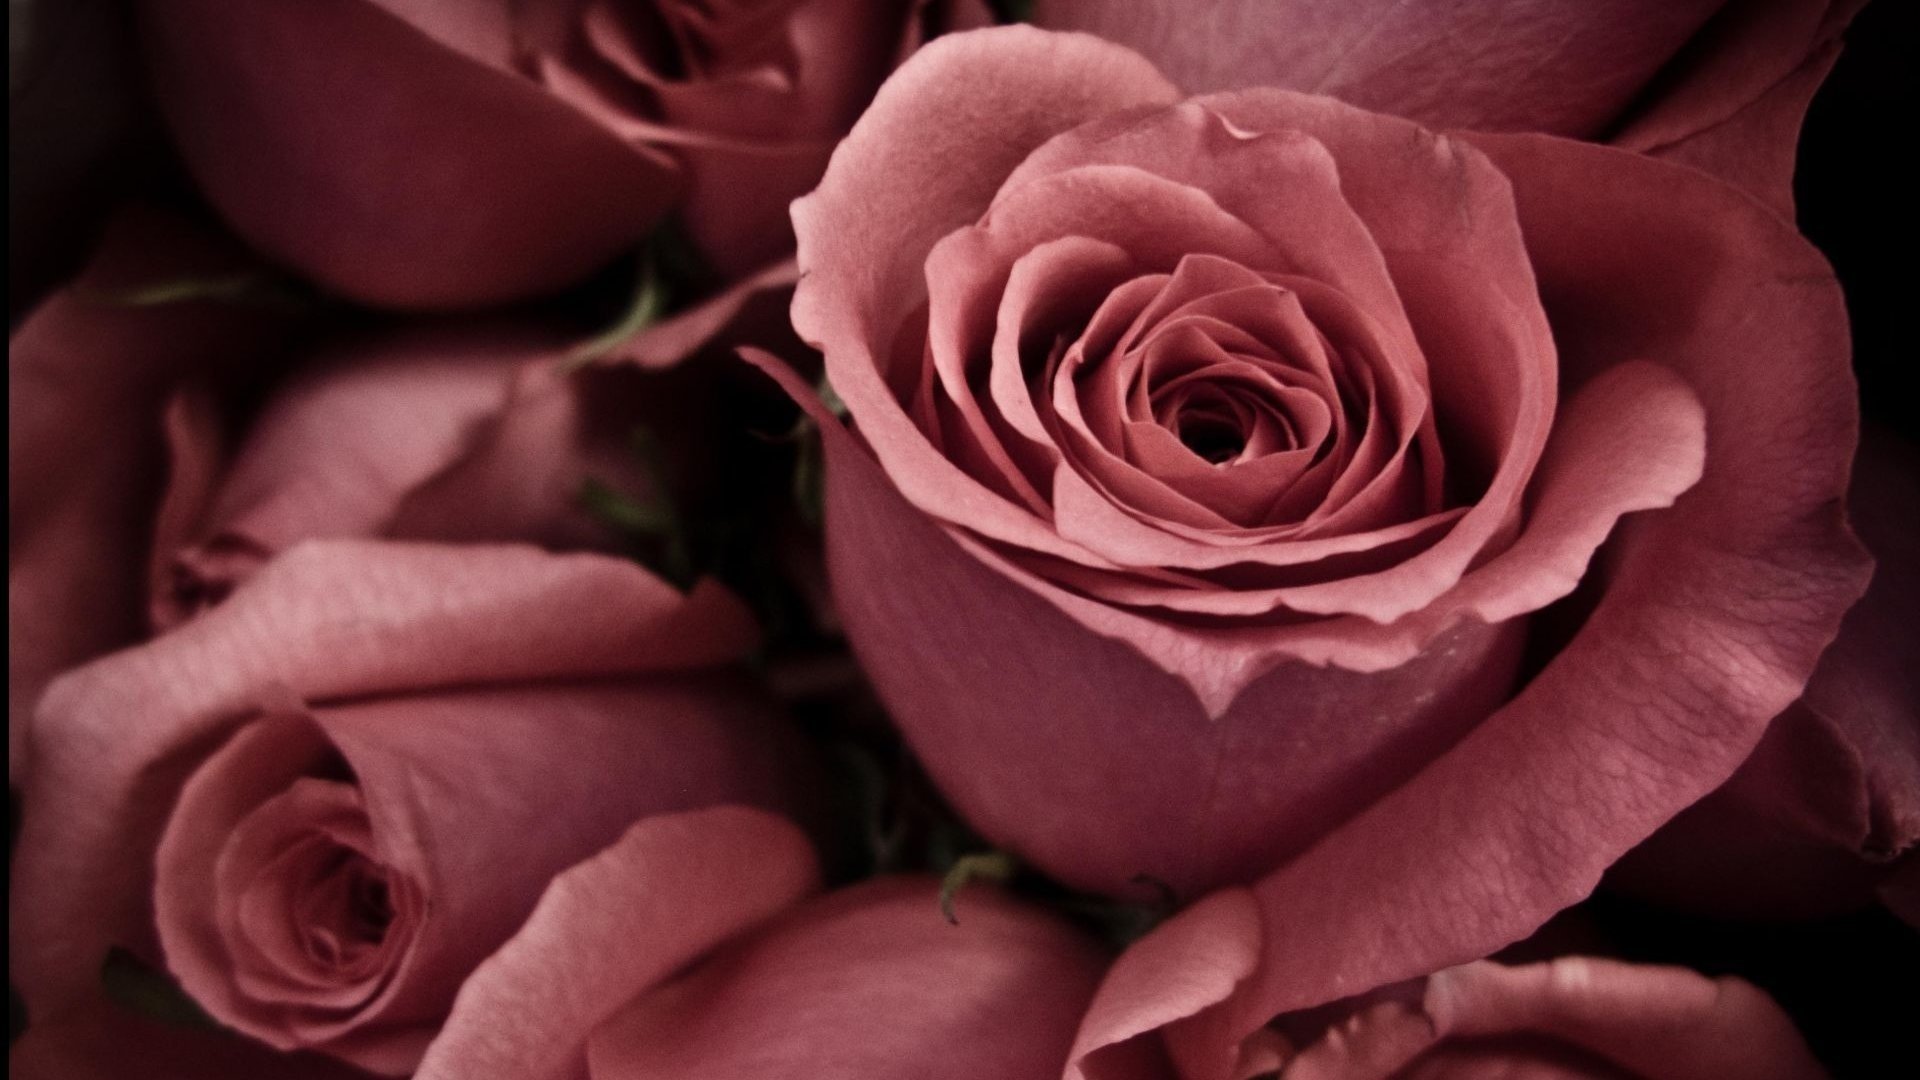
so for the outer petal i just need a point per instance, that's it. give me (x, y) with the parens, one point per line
(1831, 796)
(101, 1041)
(1661, 1023)
(869, 981)
(1498, 65)
(1733, 101)
(89, 377)
(387, 166)
(609, 928)
(1712, 613)
(1575, 1016)
(113, 741)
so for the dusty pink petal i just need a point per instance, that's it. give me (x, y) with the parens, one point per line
(98, 1041)
(1659, 1023)
(1735, 99)
(1163, 978)
(1155, 771)
(868, 981)
(1505, 65)
(668, 890)
(897, 184)
(672, 340)
(90, 378)
(1713, 613)
(330, 619)
(465, 820)
(1831, 796)
(387, 166)
(336, 450)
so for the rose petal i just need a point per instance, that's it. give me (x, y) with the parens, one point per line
(617, 923)
(907, 184)
(1736, 97)
(387, 166)
(1662, 1023)
(1713, 612)
(90, 375)
(1505, 65)
(869, 981)
(327, 620)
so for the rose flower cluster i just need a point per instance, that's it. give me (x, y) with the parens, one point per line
(927, 540)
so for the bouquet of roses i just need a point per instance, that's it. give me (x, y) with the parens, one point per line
(912, 539)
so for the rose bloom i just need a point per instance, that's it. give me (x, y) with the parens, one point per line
(326, 801)
(429, 155)
(1211, 457)
(162, 452)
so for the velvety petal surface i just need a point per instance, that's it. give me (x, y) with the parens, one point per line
(329, 620)
(868, 981)
(90, 377)
(387, 166)
(671, 888)
(1713, 612)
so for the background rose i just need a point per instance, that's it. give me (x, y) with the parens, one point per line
(1064, 714)
(428, 155)
(89, 375)
(1717, 84)
(1575, 1016)
(351, 782)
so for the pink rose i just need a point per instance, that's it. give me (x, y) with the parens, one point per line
(1210, 457)
(89, 377)
(162, 452)
(1717, 84)
(1825, 815)
(325, 802)
(431, 155)
(1573, 1017)
(867, 982)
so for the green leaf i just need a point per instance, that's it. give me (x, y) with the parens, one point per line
(251, 288)
(996, 866)
(649, 302)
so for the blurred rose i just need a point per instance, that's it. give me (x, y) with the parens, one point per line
(431, 155)
(1717, 84)
(89, 375)
(1209, 456)
(1572, 1018)
(149, 478)
(1827, 810)
(868, 982)
(329, 799)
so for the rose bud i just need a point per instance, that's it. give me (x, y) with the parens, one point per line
(1717, 84)
(1209, 457)
(89, 372)
(867, 981)
(439, 155)
(1826, 813)
(460, 431)
(1575, 1016)
(327, 800)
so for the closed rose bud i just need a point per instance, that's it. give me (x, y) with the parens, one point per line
(340, 791)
